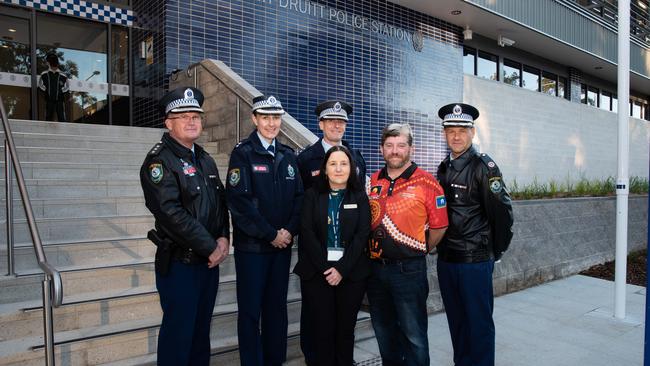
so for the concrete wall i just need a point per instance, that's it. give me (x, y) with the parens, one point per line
(531, 135)
(557, 238)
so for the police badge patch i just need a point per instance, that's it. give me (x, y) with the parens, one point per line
(234, 177)
(495, 184)
(156, 172)
(290, 171)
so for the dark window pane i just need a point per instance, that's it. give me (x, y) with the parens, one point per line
(614, 103)
(89, 108)
(120, 56)
(583, 94)
(592, 97)
(487, 66)
(606, 101)
(120, 110)
(511, 72)
(17, 101)
(561, 88)
(14, 45)
(549, 83)
(530, 78)
(469, 59)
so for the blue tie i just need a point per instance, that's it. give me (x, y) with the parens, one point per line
(271, 149)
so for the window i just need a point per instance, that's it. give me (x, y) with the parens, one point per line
(530, 78)
(637, 110)
(614, 103)
(562, 88)
(469, 61)
(592, 96)
(487, 66)
(583, 94)
(549, 83)
(606, 100)
(511, 72)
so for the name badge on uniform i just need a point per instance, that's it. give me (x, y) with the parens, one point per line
(334, 254)
(260, 168)
(315, 173)
(349, 206)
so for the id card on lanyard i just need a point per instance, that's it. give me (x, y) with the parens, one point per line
(335, 253)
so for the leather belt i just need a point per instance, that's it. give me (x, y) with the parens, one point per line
(187, 256)
(472, 256)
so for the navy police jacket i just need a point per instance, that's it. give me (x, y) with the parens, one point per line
(310, 160)
(479, 209)
(264, 194)
(186, 199)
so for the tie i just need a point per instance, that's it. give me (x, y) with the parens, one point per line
(271, 149)
(193, 158)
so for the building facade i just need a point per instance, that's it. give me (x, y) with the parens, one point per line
(542, 72)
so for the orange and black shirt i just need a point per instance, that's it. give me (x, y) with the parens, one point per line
(402, 210)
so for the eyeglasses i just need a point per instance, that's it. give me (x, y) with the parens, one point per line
(188, 117)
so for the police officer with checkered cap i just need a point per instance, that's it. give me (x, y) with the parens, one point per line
(264, 192)
(480, 222)
(183, 191)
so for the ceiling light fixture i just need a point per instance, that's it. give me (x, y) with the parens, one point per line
(456, 12)
(11, 30)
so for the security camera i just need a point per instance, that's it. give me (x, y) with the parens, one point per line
(467, 34)
(503, 41)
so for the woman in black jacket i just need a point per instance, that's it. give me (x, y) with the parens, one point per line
(332, 261)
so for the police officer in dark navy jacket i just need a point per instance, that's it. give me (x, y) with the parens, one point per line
(333, 116)
(183, 191)
(264, 193)
(480, 221)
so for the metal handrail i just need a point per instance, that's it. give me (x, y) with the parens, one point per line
(52, 284)
(239, 96)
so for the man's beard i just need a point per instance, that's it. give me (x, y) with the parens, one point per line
(400, 164)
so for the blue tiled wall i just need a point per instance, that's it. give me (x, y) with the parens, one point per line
(304, 52)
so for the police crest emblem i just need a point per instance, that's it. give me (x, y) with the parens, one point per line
(291, 171)
(234, 177)
(495, 184)
(156, 172)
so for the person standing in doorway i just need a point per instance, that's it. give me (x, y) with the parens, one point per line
(54, 85)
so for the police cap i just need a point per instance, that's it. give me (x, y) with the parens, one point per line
(458, 114)
(267, 105)
(183, 99)
(333, 109)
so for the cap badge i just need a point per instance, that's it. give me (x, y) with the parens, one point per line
(272, 100)
(457, 110)
(189, 94)
(337, 107)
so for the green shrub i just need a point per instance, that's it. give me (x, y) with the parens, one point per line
(583, 187)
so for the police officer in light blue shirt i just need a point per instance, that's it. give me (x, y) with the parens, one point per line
(264, 194)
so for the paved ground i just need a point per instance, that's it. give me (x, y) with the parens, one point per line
(568, 322)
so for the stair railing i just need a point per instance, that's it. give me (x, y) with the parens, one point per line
(52, 284)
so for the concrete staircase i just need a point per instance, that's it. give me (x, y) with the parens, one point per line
(84, 186)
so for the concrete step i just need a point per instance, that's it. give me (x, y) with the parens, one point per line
(82, 141)
(88, 155)
(82, 282)
(61, 188)
(134, 342)
(89, 254)
(67, 229)
(77, 207)
(82, 129)
(79, 170)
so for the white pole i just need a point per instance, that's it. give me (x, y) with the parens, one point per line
(622, 180)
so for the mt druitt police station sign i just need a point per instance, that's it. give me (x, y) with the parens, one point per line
(349, 19)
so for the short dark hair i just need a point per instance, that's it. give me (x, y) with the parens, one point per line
(397, 129)
(323, 185)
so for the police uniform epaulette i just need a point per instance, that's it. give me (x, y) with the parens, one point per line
(155, 150)
(487, 160)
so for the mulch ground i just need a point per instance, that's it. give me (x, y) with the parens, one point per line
(636, 269)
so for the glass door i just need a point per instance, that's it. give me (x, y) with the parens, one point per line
(15, 65)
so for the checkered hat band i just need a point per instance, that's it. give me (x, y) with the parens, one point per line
(179, 103)
(459, 117)
(330, 113)
(266, 104)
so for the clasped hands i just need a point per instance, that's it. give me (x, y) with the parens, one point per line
(220, 252)
(282, 239)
